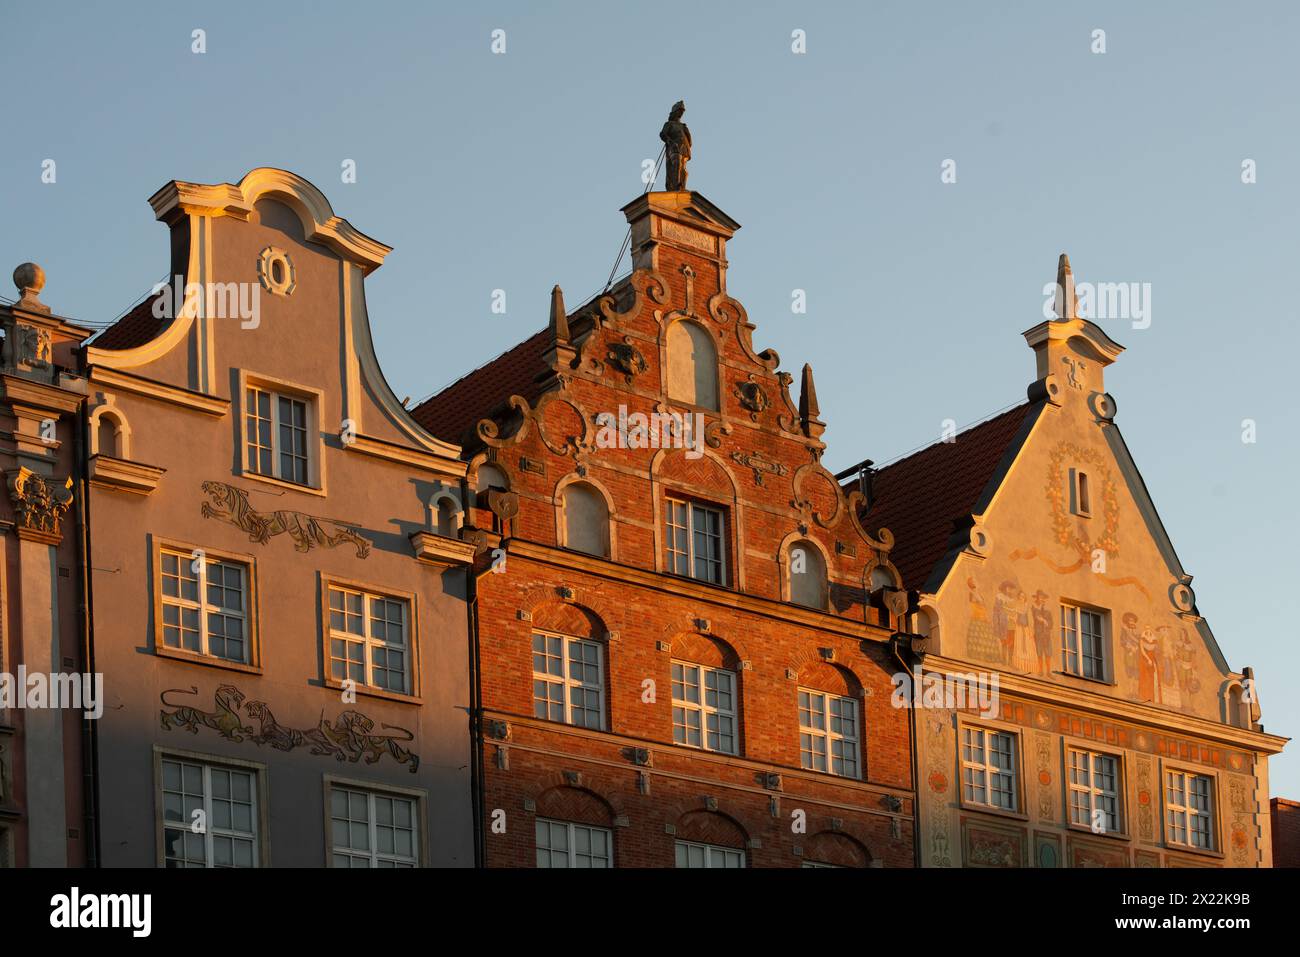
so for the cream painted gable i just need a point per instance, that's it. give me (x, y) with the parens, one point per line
(1000, 605)
(274, 236)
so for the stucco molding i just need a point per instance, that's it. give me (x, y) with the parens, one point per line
(319, 222)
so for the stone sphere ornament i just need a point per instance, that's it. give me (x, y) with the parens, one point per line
(29, 276)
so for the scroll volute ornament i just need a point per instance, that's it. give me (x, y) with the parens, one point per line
(39, 504)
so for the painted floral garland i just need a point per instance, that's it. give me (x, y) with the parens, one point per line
(1064, 528)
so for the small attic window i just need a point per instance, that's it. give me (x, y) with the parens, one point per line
(1080, 500)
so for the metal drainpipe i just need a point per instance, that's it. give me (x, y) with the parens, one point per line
(895, 644)
(89, 728)
(475, 716)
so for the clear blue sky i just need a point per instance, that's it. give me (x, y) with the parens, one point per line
(487, 171)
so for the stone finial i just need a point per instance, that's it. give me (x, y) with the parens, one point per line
(1066, 304)
(559, 320)
(29, 278)
(809, 412)
(559, 355)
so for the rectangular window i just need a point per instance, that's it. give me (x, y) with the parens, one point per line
(693, 542)
(568, 680)
(828, 733)
(561, 844)
(704, 707)
(1095, 791)
(369, 637)
(690, 854)
(1083, 640)
(276, 434)
(205, 605)
(371, 829)
(988, 768)
(1079, 497)
(1189, 810)
(209, 815)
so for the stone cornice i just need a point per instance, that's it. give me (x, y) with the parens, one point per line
(789, 774)
(1061, 695)
(703, 594)
(379, 448)
(17, 390)
(319, 223)
(441, 550)
(124, 475)
(152, 389)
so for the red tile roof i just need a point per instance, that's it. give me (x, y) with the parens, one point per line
(453, 413)
(918, 497)
(137, 327)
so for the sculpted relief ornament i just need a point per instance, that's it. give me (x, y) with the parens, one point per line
(625, 357)
(39, 503)
(351, 737)
(229, 504)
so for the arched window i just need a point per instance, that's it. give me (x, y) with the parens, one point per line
(448, 526)
(692, 365)
(586, 520)
(108, 436)
(1238, 708)
(807, 575)
(489, 476)
(830, 721)
(706, 694)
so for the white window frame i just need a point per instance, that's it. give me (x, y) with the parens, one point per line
(374, 857)
(570, 850)
(708, 718)
(252, 414)
(1177, 781)
(1072, 642)
(210, 832)
(826, 734)
(979, 771)
(727, 853)
(368, 642)
(185, 561)
(1086, 795)
(565, 680)
(688, 555)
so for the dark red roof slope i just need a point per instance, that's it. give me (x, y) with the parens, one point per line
(137, 327)
(452, 414)
(918, 497)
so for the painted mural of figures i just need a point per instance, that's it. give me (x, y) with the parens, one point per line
(980, 641)
(1171, 694)
(1149, 671)
(1129, 639)
(1024, 641)
(1004, 621)
(1185, 669)
(1043, 630)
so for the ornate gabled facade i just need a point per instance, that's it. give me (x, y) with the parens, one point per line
(278, 586)
(43, 801)
(1036, 562)
(684, 632)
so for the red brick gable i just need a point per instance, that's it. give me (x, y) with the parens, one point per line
(918, 497)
